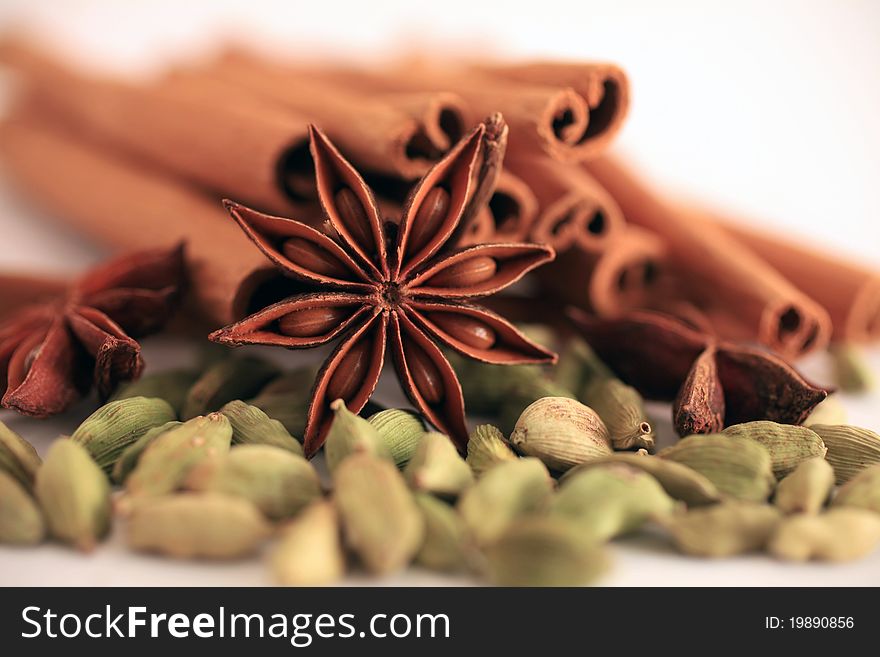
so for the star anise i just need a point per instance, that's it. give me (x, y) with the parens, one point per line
(378, 284)
(52, 353)
(712, 383)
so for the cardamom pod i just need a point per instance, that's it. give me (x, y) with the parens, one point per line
(447, 546)
(827, 411)
(21, 522)
(544, 551)
(437, 468)
(401, 432)
(851, 371)
(18, 457)
(251, 426)
(276, 481)
(351, 434)
(508, 490)
(739, 467)
(287, 398)
(678, 480)
(850, 449)
(789, 445)
(561, 432)
(170, 385)
(807, 488)
(523, 390)
(130, 455)
(380, 520)
(167, 460)
(580, 367)
(840, 534)
(486, 447)
(210, 525)
(722, 530)
(610, 500)
(622, 409)
(309, 552)
(862, 491)
(226, 381)
(117, 424)
(74, 494)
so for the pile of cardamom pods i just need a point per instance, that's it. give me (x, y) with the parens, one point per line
(201, 474)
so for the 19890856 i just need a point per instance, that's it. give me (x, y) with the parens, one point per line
(809, 622)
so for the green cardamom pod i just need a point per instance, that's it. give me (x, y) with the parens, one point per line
(507, 491)
(739, 467)
(209, 525)
(251, 426)
(610, 500)
(437, 468)
(276, 481)
(380, 520)
(851, 370)
(561, 432)
(487, 447)
(447, 546)
(850, 449)
(170, 385)
(286, 398)
(807, 488)
(827, 411)
(723, 530)
(401, 432)
(21, 522)
(130, 455)
(862, 491)
(74, 494)
(226, 381)
(789, 445)
(544, 551)
(18, 457)
(840, 534)
(167, 460)
(622, 409)
(525, 390)
(309, 552)
(350, 434)
(117, 424)
(580, 367)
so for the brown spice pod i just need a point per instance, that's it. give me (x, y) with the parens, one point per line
(20, 289)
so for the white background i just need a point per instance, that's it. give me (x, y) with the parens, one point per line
(765, 108)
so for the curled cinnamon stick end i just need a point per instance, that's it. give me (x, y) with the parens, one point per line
(513, 208)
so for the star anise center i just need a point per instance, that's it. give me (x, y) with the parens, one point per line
(390, 295)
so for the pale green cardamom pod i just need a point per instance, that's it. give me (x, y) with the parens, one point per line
(678, 480)
(447, 546)
(544, 551)
(130, 455)
(579, 366)
(862, 491)
(401, 432)
(251, 426)
(309, 552)
(21, 522)
(18, 457)
(610, 500)
(380, 520)
(276, 481)
(807, 488)
(622, 409)
(508, 490)
(561, 432)
(167, 460)
(723, 530)
(525, 390)
(351, 434)
(226, 381)
(117, 424)
(287, 398)
(840, 534)
(74, 494)
(827, 411)
(209, 525)
(486, 448)
(851, 370)
(789, 445)
(850, 449)
(437, 468)
(170, 385)
(739, 467)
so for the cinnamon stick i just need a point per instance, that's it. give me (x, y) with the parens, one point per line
(717, 272)
(513, 207)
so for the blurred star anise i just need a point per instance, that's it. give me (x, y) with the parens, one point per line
(377, 283)
(52, 353)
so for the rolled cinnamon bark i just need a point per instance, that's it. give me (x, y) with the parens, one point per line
(231, 144)
(573, 207)
(121, 205)
(513, 207)
(717, 272)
